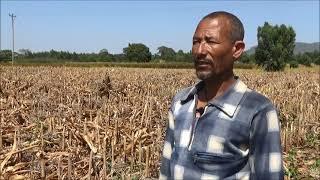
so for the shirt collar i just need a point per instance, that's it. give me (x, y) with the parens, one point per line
(228, 102)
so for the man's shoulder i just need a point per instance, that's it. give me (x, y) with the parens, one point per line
(182, 93)
(259, 100)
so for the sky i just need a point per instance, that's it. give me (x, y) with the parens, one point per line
(89, 26)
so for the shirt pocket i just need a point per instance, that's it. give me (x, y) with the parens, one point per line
(218, 163)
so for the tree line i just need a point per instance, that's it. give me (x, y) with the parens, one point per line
(135, 52)
(274, 51)
(307, 59)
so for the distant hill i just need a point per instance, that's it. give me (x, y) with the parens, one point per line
(300, 47)
(306, 47)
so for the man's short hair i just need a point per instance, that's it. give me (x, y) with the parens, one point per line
(237, 30)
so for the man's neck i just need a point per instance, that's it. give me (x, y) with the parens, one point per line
(216, 86)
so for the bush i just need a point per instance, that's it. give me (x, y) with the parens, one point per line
(294, 64)
(305, 60)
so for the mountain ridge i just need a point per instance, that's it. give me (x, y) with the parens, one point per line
(300, 47)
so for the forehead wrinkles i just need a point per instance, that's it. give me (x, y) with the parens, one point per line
(206, 33)
(217, 27)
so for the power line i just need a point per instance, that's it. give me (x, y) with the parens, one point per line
(12, 22)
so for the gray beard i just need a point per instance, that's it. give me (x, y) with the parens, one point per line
(204, 75)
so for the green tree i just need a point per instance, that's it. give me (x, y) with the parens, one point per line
(314, 56)
(119, 57)
(184, 57)
(104, 52)
(166, 53)
(137, 52)
(317, 60)
(247, 59)
(180, 56)
(5, 55)
(53, 54)
(304, 59)
(293, 63)
(75, 56)
(25, 53)
(104, 55)
(275, 46)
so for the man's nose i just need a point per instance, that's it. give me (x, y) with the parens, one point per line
(202, 50)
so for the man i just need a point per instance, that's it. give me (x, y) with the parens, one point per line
(218, 128)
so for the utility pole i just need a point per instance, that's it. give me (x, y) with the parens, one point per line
(12, 22)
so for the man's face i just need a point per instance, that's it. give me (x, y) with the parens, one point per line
(212, 48)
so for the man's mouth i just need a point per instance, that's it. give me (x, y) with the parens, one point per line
(203, 63)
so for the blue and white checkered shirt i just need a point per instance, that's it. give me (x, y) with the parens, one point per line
(237, 137)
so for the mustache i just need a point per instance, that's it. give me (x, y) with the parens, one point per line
(202, 61)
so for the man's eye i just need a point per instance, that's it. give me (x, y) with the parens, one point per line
(212, 42)
(195, 42)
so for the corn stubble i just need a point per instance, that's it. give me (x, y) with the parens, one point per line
(109, 123)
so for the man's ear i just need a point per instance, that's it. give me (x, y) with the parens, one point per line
(238, 48)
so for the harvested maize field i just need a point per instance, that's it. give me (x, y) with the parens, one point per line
(109, 123)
